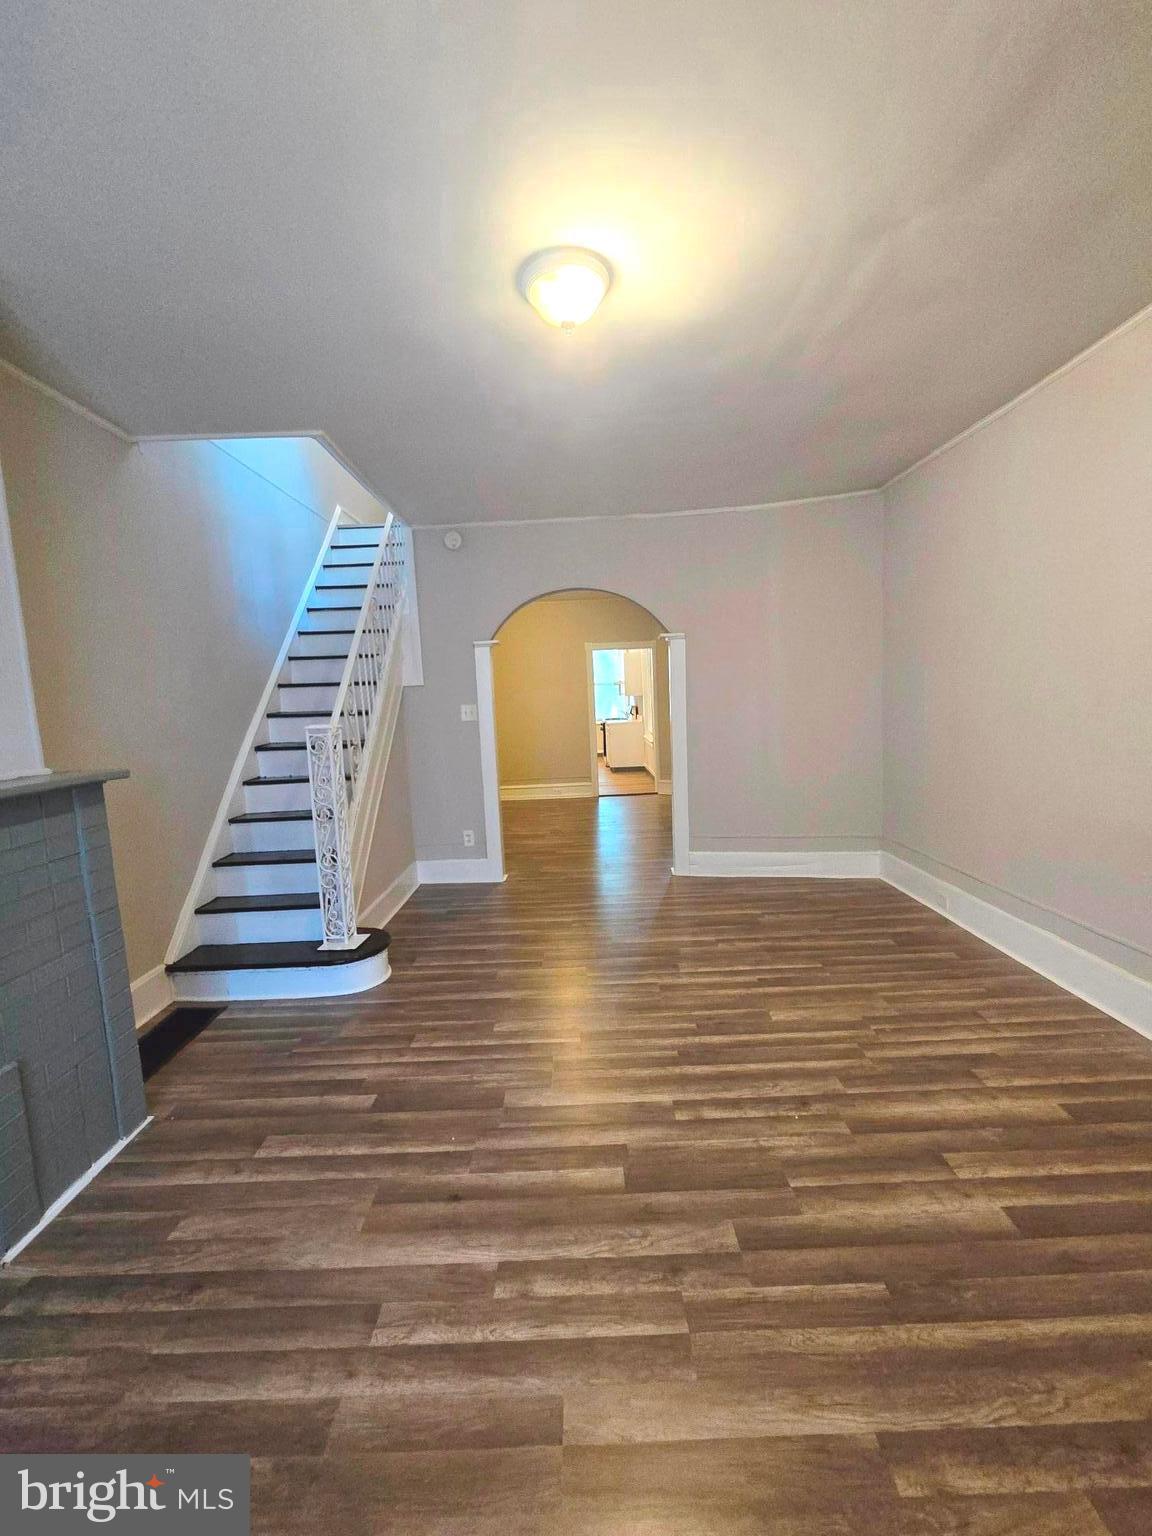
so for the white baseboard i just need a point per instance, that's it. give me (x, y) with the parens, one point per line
(578, 789)
(151, 994)
(71, 1192)
(1106, 986)
(663, 786)
(848, 864)
(458, 872)
(377, 913)
(1109, 987)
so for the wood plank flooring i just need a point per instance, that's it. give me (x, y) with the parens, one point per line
(623, 781)
(630, 1206)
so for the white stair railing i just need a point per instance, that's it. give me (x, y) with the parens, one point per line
(339, 753)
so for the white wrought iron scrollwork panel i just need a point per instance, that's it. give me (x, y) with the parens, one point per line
(333, 842)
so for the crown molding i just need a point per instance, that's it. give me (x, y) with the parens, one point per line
(619, 517)
(66, 401)
(329, 444)
(1122, 329)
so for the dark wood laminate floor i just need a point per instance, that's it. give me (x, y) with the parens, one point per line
(629, 1206)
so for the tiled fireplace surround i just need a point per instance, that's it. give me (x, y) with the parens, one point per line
(70, 1083)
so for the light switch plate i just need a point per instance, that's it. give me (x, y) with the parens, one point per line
(469, 712)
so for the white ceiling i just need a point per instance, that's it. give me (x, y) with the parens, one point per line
(843, 229)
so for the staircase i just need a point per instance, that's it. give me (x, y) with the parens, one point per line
(266, 918)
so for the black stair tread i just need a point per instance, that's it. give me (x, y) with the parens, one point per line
(320, 682)
(341, 586)
(301, 632)
(325, 609)
(271, 856)
(269, 957)
(283, 746)
(288, 901)
(350, 565)
(272, 816)
(323, 655)
(305, 714)
(284, 778)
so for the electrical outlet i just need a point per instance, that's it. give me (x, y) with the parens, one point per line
(469, 839)
(468, 712)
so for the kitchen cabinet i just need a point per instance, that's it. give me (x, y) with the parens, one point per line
(624, 743)
(634, 673)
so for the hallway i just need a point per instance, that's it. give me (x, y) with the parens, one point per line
(630, 1206)
(623, 781)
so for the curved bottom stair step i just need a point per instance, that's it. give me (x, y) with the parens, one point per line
(269, 972)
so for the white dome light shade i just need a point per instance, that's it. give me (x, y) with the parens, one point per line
(565, 284)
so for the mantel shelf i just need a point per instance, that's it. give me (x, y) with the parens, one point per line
(45, 783)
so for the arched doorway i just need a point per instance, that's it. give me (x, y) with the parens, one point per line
(581, 695)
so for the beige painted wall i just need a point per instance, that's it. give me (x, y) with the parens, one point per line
(781, 608)
(20, 749)
(157, 582)
(393, 851)
(541, 683)
(1018, 684)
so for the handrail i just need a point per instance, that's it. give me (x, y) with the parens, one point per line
(338, 750)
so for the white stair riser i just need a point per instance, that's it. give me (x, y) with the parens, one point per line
(321, 643)
(352, 556)
(309, 669)
(344, 536)
(294, 729)
(277, 797)
(259, 927)
(268, 836)
(318, 696)
(265, 879)
(279, 765)
(338, 597)
(275, 765)
(317, 622)
(269, 986)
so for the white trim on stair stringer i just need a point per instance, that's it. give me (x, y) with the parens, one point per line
(846, 864)
(663, 786)
(217, 841)
(460, 871)
(71, 1192)
(1118, 992)
(151, 994)
(384, 907)
(571, 789)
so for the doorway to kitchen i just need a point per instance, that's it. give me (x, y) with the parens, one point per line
(581, 699)
(540, 737)
(623, 717)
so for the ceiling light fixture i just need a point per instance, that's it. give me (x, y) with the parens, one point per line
(565, 284)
